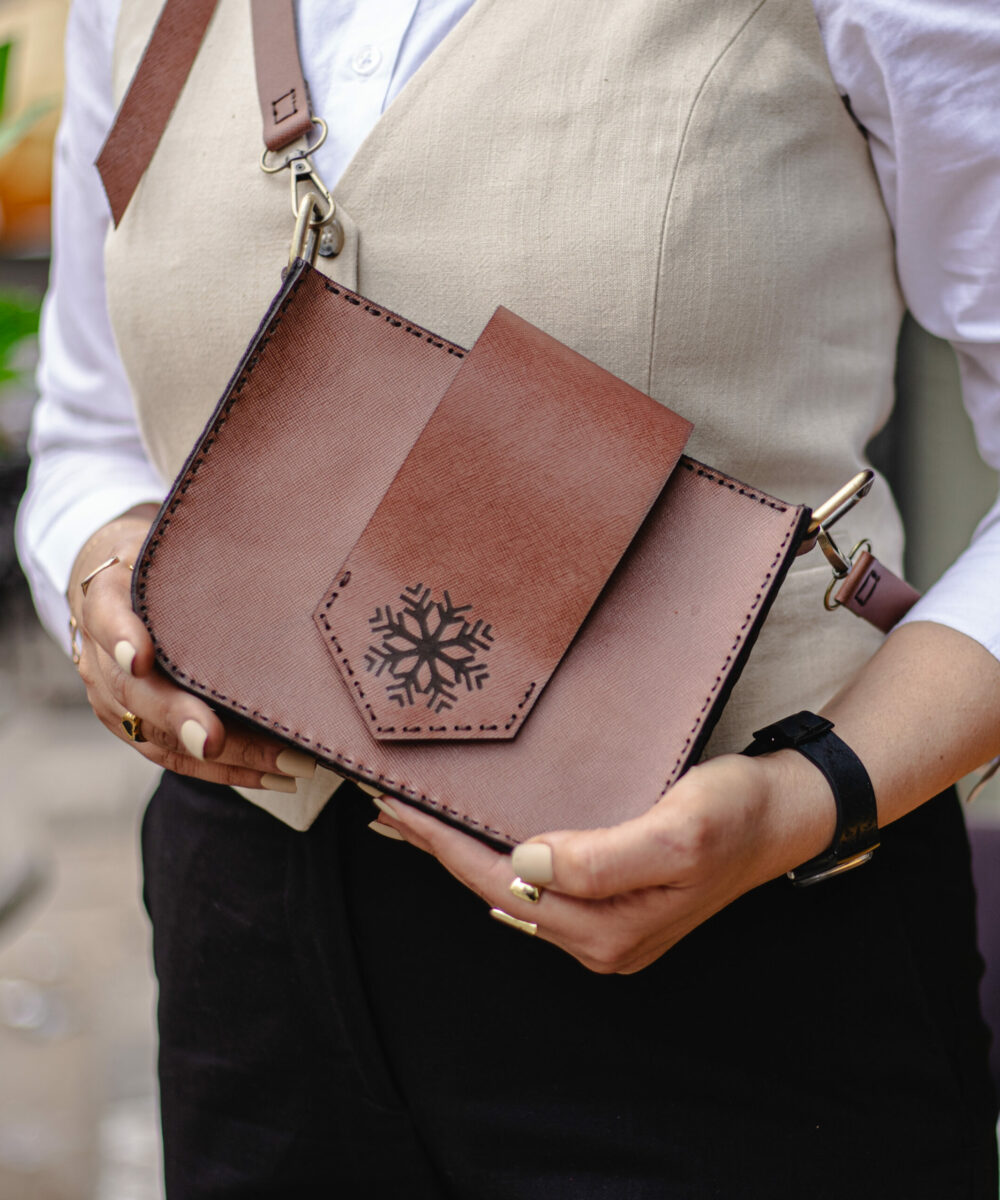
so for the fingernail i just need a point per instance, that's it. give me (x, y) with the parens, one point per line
(386, 831)
(383, 805)
(278, 783)
(193, 737)
(125, 655)
(533, 862)
(368, 789)
(297, 764)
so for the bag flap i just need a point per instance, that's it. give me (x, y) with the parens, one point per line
(495, 538)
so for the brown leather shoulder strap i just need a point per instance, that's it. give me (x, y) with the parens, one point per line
(281, 87)
(150, 99)
(874, 592)
(163, 71)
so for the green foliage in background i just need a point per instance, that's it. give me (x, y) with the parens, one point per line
(18, 320)
(4, 60)
(18, 311)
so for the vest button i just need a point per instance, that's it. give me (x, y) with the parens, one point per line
(331, 240)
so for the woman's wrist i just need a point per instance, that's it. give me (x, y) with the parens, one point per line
(799, 810)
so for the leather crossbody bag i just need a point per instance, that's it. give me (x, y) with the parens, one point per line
(487, 581)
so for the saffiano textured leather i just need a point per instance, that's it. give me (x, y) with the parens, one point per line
(487, 583)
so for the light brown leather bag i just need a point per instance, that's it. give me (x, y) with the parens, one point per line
(488, 582)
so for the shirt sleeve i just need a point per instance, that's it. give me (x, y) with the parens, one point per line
(921, 78)
(88, 462)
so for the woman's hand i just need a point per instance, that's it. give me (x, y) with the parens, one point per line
(920, 714)
(118, 667)
(617, 898)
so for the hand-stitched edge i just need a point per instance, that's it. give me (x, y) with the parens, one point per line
(734, 485)
(748, 620)
(237, 385)
(394, 320)
(230, 398)
(405, 790)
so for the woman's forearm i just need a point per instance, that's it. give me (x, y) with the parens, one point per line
(923, 712)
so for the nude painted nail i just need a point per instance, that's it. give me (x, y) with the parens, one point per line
(383, 805)
(296, 763)
(278, 783)
(125, 655)
(193, 737)
(368, 789)
(533, 862)
(386, 831)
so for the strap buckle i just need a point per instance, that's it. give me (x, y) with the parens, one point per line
(313, 206)
(827, 515)
(304, 175)
(830, 511)
(839, 504)
(804, 876)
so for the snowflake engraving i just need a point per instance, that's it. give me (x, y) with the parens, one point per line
(429, 648)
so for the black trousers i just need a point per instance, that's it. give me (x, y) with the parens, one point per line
(338, 1017)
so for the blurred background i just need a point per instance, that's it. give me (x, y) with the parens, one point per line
(77, 1074)
(77, 1083)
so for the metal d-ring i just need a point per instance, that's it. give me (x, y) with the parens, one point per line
(273, 169)
(841, 565)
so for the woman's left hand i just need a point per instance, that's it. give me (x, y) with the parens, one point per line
(617, 898)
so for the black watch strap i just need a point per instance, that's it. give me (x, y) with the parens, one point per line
(856, 837)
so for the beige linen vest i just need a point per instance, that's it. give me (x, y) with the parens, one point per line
(674, 190)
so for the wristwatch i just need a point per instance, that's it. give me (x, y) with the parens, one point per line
(856, 838)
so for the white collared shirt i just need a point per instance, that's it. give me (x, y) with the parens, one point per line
(923, 78)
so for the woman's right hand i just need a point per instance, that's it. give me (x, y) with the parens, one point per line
(118, 666)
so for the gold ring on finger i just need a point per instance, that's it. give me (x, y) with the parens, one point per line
(528, 927)
(85, 583)
(133, 727)
(525, 891)
(75, 646)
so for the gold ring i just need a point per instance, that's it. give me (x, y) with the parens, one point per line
(528, 927)
(133, 727)
(85, 583)
(525, 891)
(75, 648)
